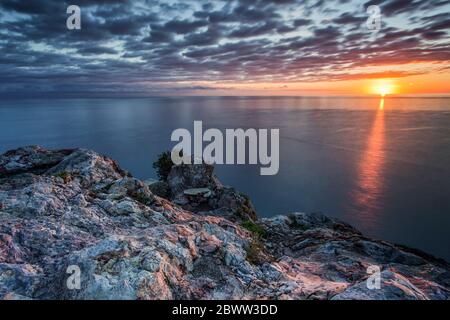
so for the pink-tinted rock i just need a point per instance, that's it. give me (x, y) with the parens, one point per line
(75, 208)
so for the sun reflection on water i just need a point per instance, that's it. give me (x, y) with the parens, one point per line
(369, 187)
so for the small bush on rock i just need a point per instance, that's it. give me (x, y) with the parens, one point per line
(163, 165)
(256, 253)
(254, 228)
(64, 175)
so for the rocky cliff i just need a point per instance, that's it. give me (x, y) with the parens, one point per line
(203, 241)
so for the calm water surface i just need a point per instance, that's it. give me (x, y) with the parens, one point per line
(383, 166)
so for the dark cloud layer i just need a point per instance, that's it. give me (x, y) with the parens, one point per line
(151, 46)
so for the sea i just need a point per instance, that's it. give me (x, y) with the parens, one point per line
(380, 164)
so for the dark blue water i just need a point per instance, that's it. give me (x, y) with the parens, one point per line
(383, 168)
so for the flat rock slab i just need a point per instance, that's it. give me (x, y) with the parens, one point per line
(204, 192)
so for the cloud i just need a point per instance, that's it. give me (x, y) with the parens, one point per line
(133, 46)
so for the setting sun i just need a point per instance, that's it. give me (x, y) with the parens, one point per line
(384, 90)
(383, 87)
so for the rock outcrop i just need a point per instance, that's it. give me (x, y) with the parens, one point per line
(197, 189)
(69, 211)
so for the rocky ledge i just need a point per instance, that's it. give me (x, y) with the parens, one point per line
(202, 241)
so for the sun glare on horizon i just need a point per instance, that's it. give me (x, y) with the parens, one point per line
(383, 87)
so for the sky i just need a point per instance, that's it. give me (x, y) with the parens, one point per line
(240, 47)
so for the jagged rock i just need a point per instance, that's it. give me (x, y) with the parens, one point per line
(395, 287)
(196, 196)
(187, 182)
(233, 205)
(30, 159)
(131, 187)
(89, 167)
(65, 208)
(159, 188)
(182, 177)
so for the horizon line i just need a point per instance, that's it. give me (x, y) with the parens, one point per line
(135, 96)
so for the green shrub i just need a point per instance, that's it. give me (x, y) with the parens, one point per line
(140, 197)
(256, 253)
(163, 165)
(246, 197)
(296, 225)
(64, 175)
(254, 228)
